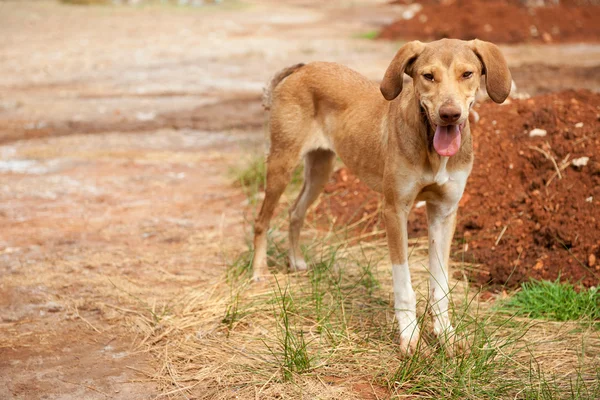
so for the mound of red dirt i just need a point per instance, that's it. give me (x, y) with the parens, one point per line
(500, 21)
(519, 218)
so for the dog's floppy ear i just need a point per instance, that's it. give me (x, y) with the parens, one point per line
(391, 86)
(497, 76)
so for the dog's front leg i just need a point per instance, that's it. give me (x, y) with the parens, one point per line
(405, 302)
(442, 221)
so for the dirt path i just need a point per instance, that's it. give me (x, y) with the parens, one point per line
(92, 223)
(143, 209)
(121, 193)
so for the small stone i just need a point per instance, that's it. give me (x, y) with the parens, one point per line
(344, 175)
(579, 125)
(537, 132)
(53, 307)
(592, 260)
(410, 12)
(539, 265)
(589, 199)
(145, 116)
(533, 31)
(580, 162)
(546, 37)
(9, 318)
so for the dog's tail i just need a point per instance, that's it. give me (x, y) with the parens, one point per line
(267, 99)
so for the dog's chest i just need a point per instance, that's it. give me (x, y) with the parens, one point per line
(437, 174)
(440, 175)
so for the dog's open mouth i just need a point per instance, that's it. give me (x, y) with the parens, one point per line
(446, 139)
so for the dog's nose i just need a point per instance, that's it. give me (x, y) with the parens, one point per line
(449, 113)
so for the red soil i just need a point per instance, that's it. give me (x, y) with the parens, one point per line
(518, 219)
(500, 21)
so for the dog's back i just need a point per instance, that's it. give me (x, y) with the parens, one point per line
(324, 81)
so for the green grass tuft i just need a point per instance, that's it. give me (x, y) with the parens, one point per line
(252, 177)
(555, 301)
(292, 348)
(370, 35)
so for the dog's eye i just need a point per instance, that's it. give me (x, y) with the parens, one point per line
(467, 74)
(429, 77)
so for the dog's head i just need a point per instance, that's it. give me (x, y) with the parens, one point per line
(446, 76)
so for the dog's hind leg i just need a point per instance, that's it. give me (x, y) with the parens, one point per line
(280, 166)
(318, 165)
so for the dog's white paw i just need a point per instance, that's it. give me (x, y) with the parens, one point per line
(298, 264)
(409, 344)
(452, 343)
(261, 278)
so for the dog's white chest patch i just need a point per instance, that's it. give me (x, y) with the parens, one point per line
(441, 175)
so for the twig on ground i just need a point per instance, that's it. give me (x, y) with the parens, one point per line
(86, 321)
(500, 235)
(548, 157)
(563, 165)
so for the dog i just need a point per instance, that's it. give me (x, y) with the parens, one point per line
(410, 142)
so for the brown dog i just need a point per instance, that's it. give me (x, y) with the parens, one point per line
(414, 143)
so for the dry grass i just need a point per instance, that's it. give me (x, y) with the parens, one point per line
(330, 333)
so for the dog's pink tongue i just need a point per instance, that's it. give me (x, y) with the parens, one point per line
(446, 140)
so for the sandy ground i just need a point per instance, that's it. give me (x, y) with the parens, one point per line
(118, 129)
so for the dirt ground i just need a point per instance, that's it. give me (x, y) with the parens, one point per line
(499, 21)
(118, 130)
